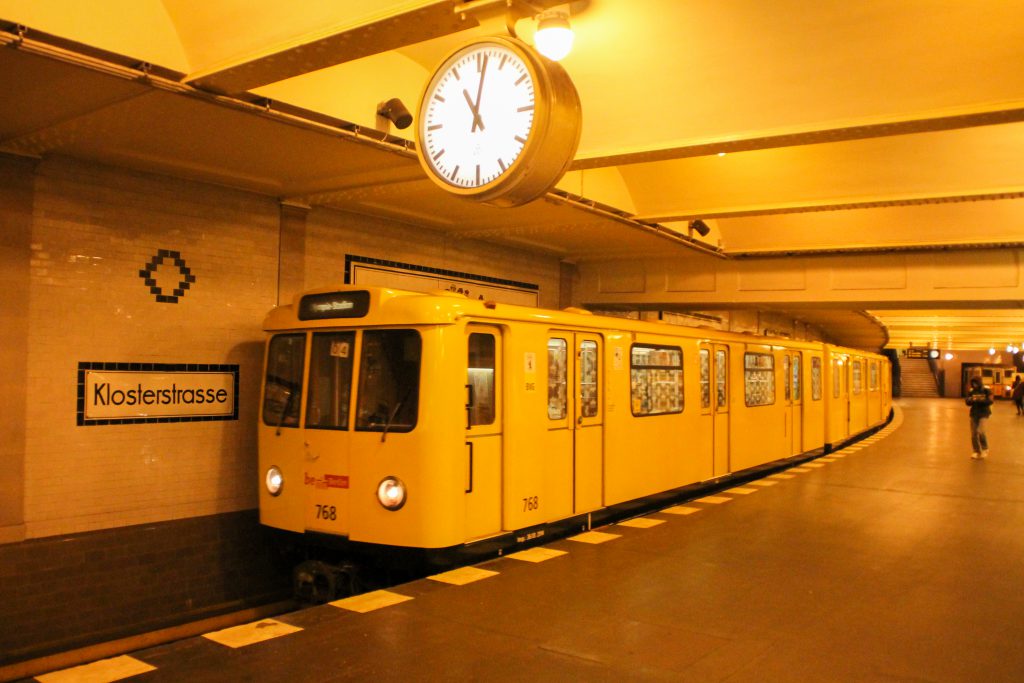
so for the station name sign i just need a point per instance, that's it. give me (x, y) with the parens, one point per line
(125, 393)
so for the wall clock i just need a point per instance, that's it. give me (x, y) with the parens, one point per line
(498, 123)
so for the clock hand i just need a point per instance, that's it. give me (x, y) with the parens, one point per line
(479, 92)
(477, 121)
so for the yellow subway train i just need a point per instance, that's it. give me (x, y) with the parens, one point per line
(446, 429)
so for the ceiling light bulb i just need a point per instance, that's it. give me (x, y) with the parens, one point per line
(553, 38)
(949, 356)
(992, 351)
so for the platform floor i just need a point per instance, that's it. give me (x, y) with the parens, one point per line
(899, 559)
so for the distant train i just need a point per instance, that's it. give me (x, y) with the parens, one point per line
(434, 426)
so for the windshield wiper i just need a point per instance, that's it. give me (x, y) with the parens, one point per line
(284, 411)
(391, 418)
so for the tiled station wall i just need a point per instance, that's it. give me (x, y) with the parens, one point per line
(80, 498)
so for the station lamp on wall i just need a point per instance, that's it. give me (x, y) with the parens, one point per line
(554, 35)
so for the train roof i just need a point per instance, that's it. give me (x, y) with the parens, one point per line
(343, 306)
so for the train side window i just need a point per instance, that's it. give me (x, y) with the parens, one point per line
(815, 378)
(797, 395)
(330, 380)
(282, 392)
(656, 380)
(588, 378)
(759, 379)
(857, 379)
(389, 381)
(481, 378)
(705, 378)
(785, 375)
(721, 379)
(837, 369)
(873, 376)
(558, 353)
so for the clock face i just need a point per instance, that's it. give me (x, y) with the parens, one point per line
(477, 115)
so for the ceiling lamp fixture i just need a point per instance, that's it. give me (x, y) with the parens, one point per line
(553, 38)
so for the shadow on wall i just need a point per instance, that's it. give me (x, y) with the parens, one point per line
(236, 470)
(238, 479)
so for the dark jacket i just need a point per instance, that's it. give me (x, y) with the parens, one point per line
(980, 400)
(1018, 391)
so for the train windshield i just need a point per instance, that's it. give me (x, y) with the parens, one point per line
(389, 381)
(330, 380)
(282, 394)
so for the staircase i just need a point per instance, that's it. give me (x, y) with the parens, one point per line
(916, 378)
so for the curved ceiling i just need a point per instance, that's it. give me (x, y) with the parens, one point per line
(786, 126)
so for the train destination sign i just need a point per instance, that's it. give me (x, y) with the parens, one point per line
(334, 305)
(120, 393)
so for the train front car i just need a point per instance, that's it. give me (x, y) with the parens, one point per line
(353, 461)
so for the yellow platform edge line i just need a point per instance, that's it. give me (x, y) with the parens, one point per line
(641, 522)
(463, 575)
(113, 669)
(714, 500)
(248, 634)
(681, 510)
(368, 602)
(594, 537)
(536, 554)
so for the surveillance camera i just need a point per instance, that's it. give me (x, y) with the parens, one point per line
(393, 110)
(700, 227)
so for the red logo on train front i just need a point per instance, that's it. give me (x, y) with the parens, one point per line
(328, 481)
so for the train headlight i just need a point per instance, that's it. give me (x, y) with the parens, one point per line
(391, 493)
(274, 480)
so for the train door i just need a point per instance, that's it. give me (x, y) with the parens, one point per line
(326, 435)
(839, 408)
(714, 402)
(846, 365)
(793, 396)
(587, 425)
(483, 431)
(852, 376)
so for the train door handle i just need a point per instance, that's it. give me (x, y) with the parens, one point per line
(470, 489)
(579, 420)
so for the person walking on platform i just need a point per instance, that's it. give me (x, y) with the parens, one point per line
(979, 398)
(1018, 394)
